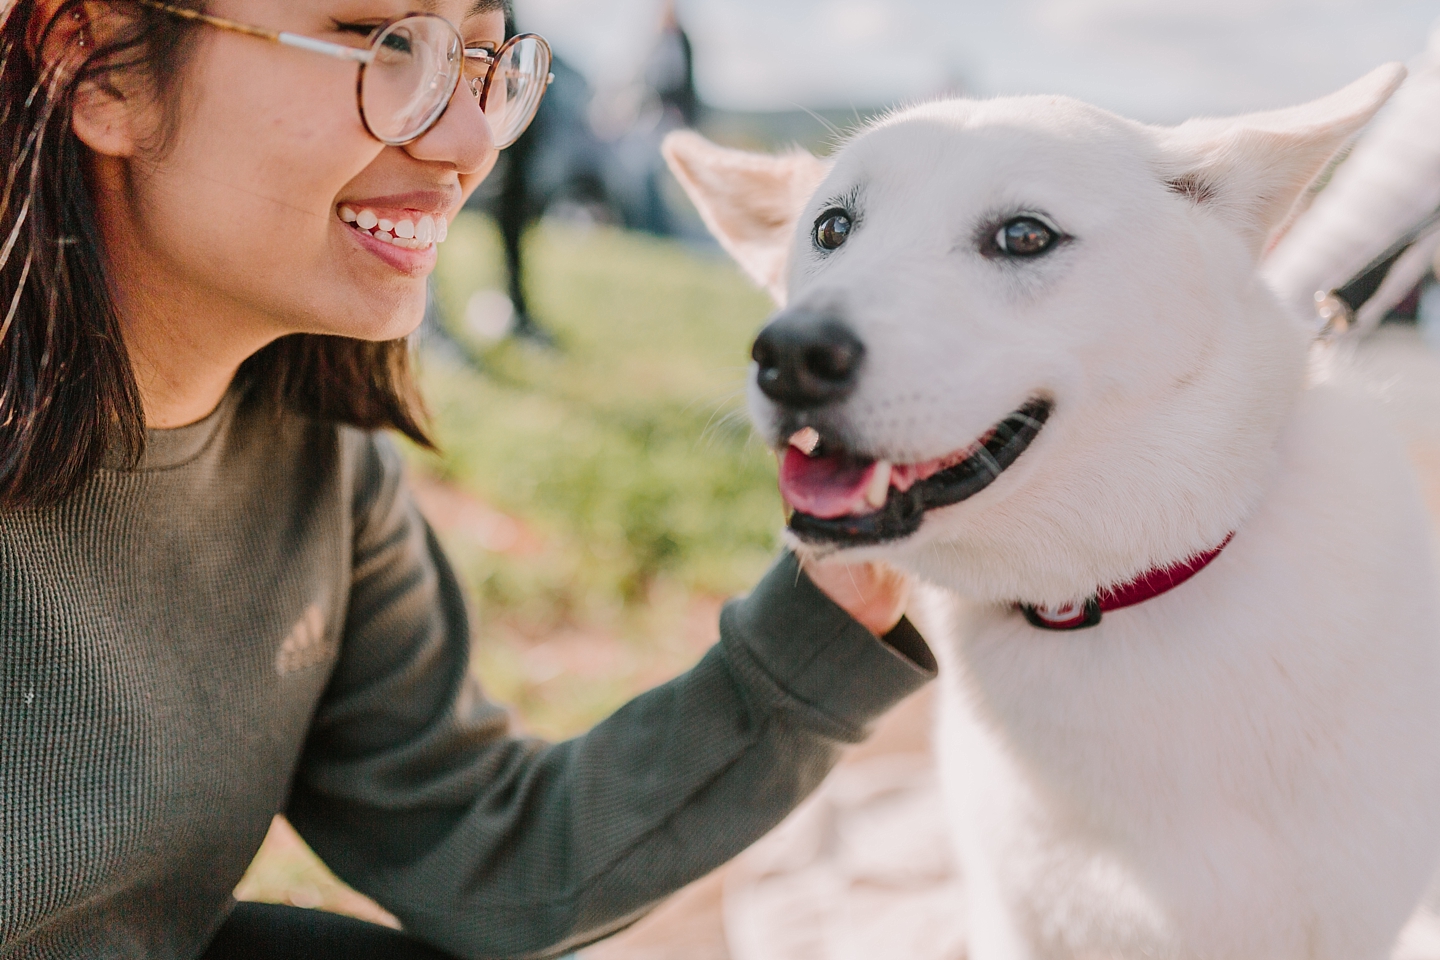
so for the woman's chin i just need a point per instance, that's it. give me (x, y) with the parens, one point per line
(403, 318)
(395, 328)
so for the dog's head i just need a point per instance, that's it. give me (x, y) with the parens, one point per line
(1022, 346)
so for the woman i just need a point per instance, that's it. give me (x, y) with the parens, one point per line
(218, 600)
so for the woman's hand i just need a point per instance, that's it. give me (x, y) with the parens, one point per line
(875, 594)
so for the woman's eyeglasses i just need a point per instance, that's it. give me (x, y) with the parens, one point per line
(411, 67)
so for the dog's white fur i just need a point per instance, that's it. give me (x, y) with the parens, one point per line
(1249, 765)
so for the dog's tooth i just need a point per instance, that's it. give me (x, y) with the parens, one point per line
(878, 490)
(807, 441)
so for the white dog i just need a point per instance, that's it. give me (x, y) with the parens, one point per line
(1191, 678)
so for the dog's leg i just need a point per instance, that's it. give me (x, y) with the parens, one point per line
(993, 929)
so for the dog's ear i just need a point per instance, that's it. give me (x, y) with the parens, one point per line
(750, 201)
(1253, 168)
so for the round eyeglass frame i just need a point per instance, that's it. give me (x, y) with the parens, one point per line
(364, 56)
(494, 59)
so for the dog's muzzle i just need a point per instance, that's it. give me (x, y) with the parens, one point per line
(808, 364)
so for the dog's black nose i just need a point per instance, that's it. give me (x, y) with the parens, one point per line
(807, 360)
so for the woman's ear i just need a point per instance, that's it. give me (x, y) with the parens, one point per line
(55, 35)
(104, 119)
(62, 37)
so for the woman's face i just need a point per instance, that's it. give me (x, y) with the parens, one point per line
(238, 222)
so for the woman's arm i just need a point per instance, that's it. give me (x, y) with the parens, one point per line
(490, 845)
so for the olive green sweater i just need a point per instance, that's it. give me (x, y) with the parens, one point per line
(257, 620)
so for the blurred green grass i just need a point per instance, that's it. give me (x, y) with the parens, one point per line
(627, 443)
(625, 455)
(624, 449)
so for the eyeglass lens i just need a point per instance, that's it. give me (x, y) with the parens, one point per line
(407, 86)
(418, 63)
(516, 86)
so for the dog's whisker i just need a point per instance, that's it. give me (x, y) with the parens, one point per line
(829, 127)
(990, 462)
(718, 403)
(719, 421)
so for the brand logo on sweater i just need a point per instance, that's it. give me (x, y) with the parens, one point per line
(306, 645)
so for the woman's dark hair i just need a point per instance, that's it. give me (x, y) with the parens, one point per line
(68, 397)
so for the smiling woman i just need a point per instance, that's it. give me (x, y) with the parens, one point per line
(70, 391)
(217, 599)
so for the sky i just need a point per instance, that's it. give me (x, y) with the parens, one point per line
(1154, 60)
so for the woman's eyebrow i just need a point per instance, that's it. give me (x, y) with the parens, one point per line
(476, 8)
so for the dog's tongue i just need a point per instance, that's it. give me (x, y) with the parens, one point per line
(825, 487)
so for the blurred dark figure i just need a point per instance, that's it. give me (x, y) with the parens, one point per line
(671, 71)
(561, 159)
(672, 103)
(558, 158)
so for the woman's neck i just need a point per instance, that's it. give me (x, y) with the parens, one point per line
(180, 381)
(185, 345)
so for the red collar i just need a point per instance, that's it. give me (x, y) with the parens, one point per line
(1079, 614)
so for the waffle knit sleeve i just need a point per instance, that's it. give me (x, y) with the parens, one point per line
(490, 845)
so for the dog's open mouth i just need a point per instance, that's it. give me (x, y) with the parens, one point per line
(842, 498)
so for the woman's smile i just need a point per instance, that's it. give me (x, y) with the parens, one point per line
(411, 231)
(402, 230)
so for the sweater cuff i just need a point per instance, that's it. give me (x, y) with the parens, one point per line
(799, 651)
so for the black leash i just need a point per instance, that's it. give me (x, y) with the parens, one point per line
(1339, 306)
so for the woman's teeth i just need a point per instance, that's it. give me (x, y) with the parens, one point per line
(411, 234)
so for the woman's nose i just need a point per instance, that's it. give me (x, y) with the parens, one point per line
(461, 138)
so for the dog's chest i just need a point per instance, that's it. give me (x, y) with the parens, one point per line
(1171, 783)
(1081, 789)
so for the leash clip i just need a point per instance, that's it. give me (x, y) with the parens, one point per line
(1337, 307)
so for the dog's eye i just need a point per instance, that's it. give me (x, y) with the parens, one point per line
(1024, 237)
(832, 229)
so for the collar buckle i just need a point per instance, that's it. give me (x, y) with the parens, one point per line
(1075, 615)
